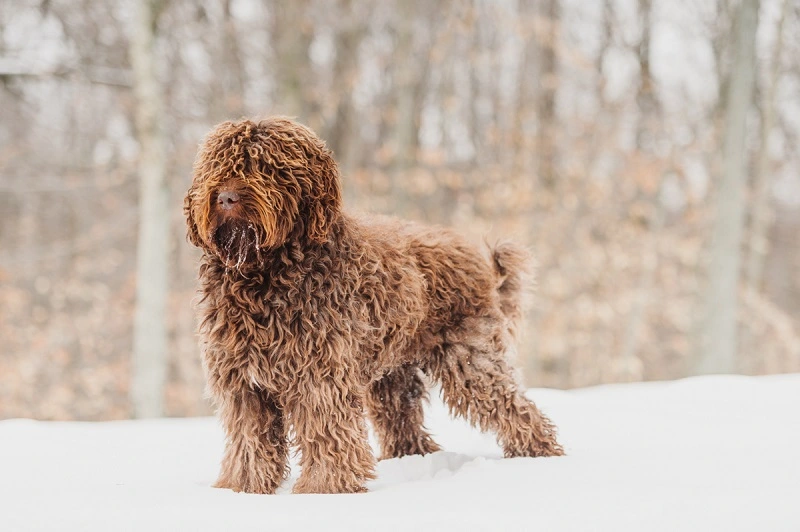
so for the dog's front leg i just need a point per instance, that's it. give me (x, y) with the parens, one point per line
(256, 447)
(328, 419)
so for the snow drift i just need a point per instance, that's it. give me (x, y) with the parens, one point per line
(710, 453)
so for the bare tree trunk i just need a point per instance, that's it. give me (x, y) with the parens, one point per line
(291, 34)
(411, 59)
(645, 96)
(340, 134)
(546, 132)
(405, 130)
(150, 332)
(649, 115)
(231, 83)
(715, 350)
(525, 88)
(761, 214)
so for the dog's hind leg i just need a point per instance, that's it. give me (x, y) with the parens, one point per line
(478, 384)
(394, 404)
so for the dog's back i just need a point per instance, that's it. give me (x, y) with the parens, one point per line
(460, 280)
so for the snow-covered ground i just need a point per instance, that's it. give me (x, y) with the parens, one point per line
(712, 453)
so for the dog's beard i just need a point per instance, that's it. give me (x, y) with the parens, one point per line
(237, 242)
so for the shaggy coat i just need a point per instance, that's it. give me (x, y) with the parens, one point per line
(310, 317)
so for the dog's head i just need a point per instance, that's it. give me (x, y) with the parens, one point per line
(257, 185)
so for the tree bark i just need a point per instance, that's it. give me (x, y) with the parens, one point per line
(150, 332)
(645, 97)
(341, 134)
(526, 84)
(649, 115)
(716, 348)
(231, 84)
(292, 32)
(405, 75)
(546, 132)
(761, 215)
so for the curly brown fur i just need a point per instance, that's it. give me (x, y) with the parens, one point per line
(311, 316)
(394, 404)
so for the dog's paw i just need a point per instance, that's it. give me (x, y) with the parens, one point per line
(262, 488)
(534, 449)
(322, 489)
(318, 484)
(548, 449)
(420, 446)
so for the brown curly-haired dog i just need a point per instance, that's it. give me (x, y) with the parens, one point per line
(310, 315)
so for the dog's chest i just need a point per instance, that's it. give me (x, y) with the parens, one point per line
(269, 332)
(247, 336)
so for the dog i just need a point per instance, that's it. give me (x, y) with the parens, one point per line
(311, 316)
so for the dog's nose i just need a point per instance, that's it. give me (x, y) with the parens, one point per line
(227, 199)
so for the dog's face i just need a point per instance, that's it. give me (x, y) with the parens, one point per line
(256, 185)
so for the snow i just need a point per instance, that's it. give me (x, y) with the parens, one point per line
(707, 453)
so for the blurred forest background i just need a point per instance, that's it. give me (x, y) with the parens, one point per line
(646, 150)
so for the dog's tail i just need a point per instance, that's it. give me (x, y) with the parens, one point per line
(514, 272)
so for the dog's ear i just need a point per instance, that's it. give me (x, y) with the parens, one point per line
(192, 234)
(325, 196)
